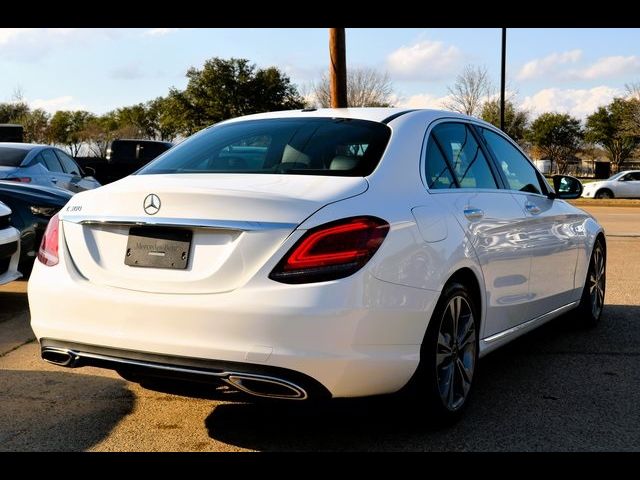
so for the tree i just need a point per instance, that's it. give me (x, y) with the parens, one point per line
(137, 117)
(515, 120)
(469, 90)
(12, 112)
(633, 90)
(163, 118)
(615, 128)
(68, 128)
(229, 88)
(557, 137)
(99, 131)
(36, 126)
(366, 87)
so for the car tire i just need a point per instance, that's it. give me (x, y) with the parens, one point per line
(589, 310)
(443, 382)
(604, 194)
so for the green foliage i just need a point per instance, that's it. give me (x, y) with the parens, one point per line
(68, 128)
(225, 89)
(615, 128)
(13, 112)
(557, 137)
(515, 120)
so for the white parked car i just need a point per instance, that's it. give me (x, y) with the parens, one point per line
(314, 254)
(621, 185)
(9, 247)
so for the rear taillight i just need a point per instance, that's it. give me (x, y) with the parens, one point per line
(331, 251)
(48, 253)
(19, 179)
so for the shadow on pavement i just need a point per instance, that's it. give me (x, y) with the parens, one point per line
(558, 388)
(56, 411)
(12, 303)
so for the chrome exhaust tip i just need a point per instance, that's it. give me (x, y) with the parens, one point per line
(59, 356)
(267, 387)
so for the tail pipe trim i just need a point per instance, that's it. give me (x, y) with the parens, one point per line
(253, 384)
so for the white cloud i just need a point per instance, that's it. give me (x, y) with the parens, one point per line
(546, 65)
(8, 35)
(159, 32)
(51, 105)
(425, 60)
(421, 100)
(577, 102)
(31, 44)
(607, 67)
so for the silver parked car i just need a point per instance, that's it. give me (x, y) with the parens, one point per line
(621, 185)
(42, 165)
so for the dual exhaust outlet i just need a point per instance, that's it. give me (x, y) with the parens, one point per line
(253, 384)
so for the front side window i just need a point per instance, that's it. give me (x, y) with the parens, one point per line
(519, 172)
(302, 146)
(454, 159)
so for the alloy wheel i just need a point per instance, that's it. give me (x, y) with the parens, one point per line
(597, 281)
(456, 353)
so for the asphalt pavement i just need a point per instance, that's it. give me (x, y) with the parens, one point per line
(560, 388)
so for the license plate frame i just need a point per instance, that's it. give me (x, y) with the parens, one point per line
(158, 247)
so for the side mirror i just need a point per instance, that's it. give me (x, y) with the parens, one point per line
(566, 187)
(89, 171)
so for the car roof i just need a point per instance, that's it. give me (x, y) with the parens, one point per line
(375, 114)
(24, 146)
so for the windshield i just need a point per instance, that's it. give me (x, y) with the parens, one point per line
(311, 146)
(12, 157)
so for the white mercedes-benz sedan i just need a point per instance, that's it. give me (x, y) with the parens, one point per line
(621, 185)
(9, 247)
(318, 253)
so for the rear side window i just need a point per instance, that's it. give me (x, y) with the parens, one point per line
(455, 159)
(12, 157)
(68, 164)
(302, 146)
(51, 161)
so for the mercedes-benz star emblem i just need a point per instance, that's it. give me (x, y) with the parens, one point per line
(151, 204)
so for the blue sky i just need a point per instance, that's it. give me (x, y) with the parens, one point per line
(568, 70)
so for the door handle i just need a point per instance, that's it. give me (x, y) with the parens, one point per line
(54, 179)
(473, 213)
(532, 208)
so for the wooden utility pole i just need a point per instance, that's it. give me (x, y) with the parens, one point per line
(337, 68)
(502, 76)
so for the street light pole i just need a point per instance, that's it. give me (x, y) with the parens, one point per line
(502, 77)
(337, 68)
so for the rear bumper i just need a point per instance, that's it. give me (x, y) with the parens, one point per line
(357, 336)
(257, 380)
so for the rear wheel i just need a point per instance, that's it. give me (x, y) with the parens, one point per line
(449, 356)
(592, 301)
(604, 193)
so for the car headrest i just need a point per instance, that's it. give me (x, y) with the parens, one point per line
(343, 162)
(292, 155)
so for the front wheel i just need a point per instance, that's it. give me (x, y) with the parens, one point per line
(604, 194)
(592, 301)
(449, 356)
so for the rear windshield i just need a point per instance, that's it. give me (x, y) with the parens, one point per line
(12, 157)
(305, 146)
